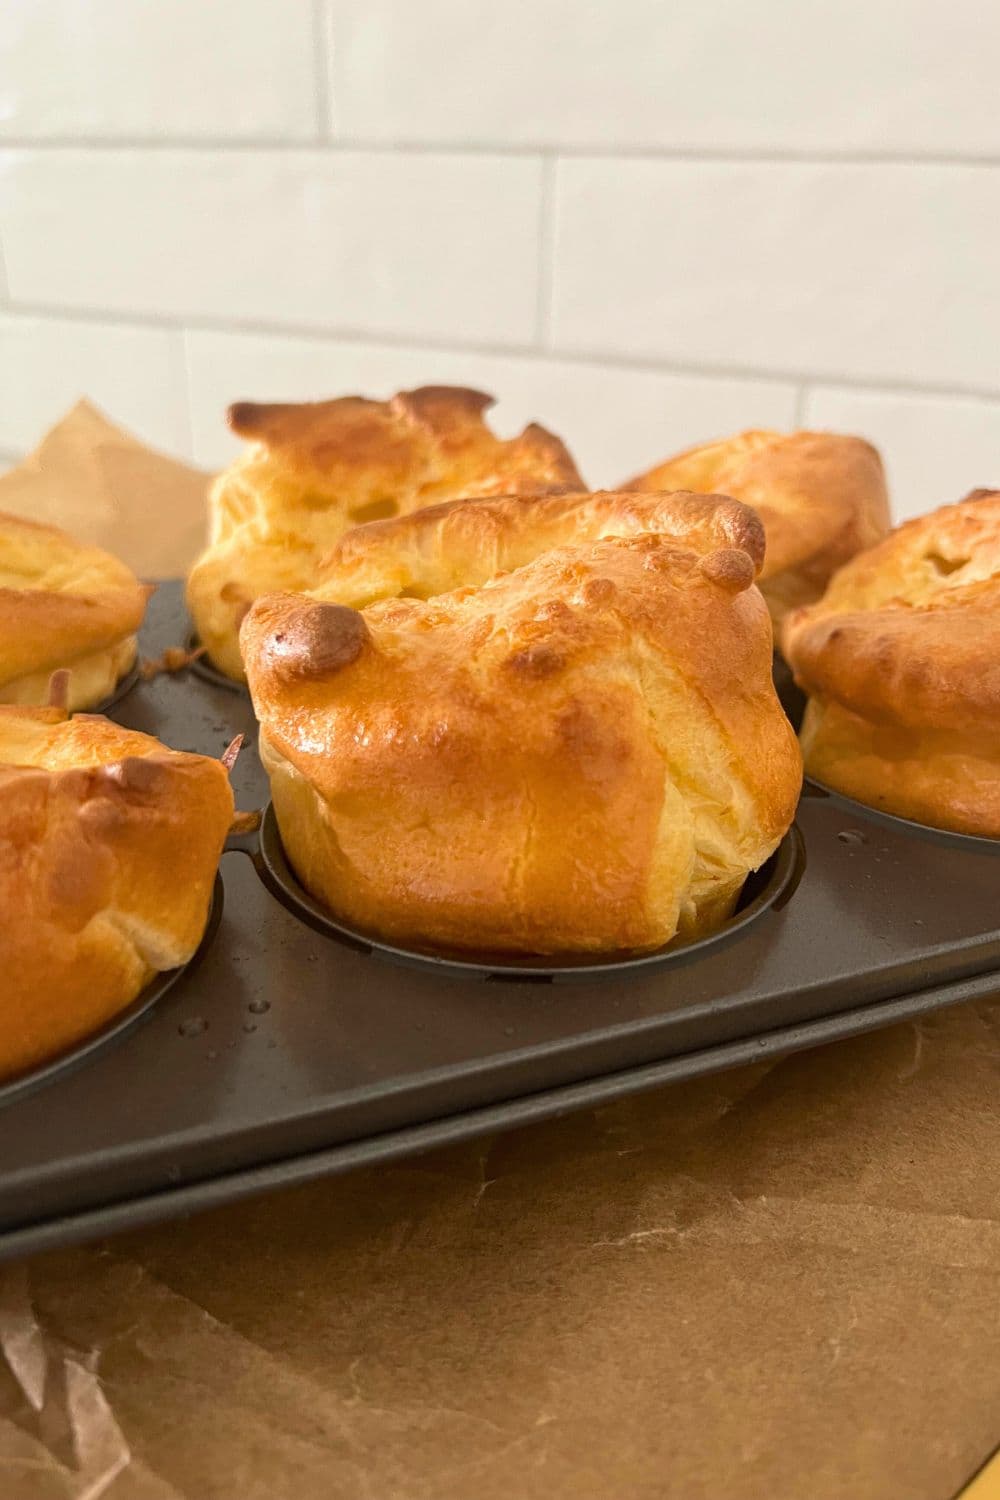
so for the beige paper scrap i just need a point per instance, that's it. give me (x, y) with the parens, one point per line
(102, 485)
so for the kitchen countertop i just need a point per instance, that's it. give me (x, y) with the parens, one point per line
(777, 1281)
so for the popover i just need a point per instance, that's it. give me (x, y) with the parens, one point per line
(63, 604)
(901, 662)
(109, 844)
(821, 496)
(313, 470)
(582, 755)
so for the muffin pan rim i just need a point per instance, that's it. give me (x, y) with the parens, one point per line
(140, 1210)
(121, 689)
(203, 667)
(973, 842)
(275, 870)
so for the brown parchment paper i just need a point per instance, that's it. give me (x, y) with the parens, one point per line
(780, 1282)
(104, 486)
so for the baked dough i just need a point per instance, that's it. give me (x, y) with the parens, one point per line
(901, 660)
(821, 496)
(315, 470)
(583, 755)
(109, 844)
(468, 541)
(63, 603)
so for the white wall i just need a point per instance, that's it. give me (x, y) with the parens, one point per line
(644, 223)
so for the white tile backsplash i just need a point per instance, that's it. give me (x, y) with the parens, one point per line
(936, 449)
(439, 247)
(162, 69)
(136, 374)
(642, 74)
(643, 224)
(615, 421)
(885, 272)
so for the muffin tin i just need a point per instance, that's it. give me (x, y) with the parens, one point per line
(294, 1046)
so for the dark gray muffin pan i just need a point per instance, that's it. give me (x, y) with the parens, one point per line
(293, 1046)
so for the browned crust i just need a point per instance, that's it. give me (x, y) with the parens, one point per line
(731, 570)
(109, 844)
(532, 765)
(466, 542)
(945, 778)
(933, 669)
(317, 468)
(354, 431)
(297, 423)
(75, 600)
(901, 658)
(821, 496)
(316, 640)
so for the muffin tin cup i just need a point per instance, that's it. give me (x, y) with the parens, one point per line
(769, 888)
(973, 842)
(122, 688)
(202, 667)
(298, 1045)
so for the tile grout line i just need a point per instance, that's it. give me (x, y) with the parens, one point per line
(546, 253)
(322, 59)
(637, 364)
(595, 151)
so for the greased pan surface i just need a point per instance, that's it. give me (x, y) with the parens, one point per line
(288, 1051)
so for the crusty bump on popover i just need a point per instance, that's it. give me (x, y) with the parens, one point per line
(314, 639)
(731, 569)
(536, 662)
(742, 528)
(821, 498)
(598, 591)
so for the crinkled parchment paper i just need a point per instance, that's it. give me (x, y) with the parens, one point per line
(781, 1283)
(104, 486)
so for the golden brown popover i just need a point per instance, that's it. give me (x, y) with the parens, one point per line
(65, 604)
(461, 542)
(821, 496)
(314, 470)
(901, 661)
(109, 844)
(583, 755)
